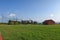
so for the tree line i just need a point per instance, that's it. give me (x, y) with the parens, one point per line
(22, 22)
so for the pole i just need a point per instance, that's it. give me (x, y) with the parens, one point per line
(0, 36)
(2, 17)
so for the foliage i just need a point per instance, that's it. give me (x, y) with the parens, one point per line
(12, 22)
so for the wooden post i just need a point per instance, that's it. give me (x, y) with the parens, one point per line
(0, 36)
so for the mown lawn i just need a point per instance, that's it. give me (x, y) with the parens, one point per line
(30, 32)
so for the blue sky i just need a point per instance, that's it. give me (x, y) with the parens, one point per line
(37, 10)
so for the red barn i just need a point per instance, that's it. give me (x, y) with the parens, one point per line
(49, 22)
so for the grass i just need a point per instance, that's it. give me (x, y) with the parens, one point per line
(30, 32)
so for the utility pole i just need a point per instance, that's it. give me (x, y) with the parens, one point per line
(16, 18)
(2, 17)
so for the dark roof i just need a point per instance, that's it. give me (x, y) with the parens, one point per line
(49, 22)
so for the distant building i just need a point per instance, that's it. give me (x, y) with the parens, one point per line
(49, 22)
(28, 22)
(10, 22)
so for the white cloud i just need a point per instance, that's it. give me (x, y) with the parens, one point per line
(55, 16)
(52, 15)
(12, 15)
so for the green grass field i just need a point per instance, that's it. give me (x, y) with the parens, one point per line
(30, 32)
